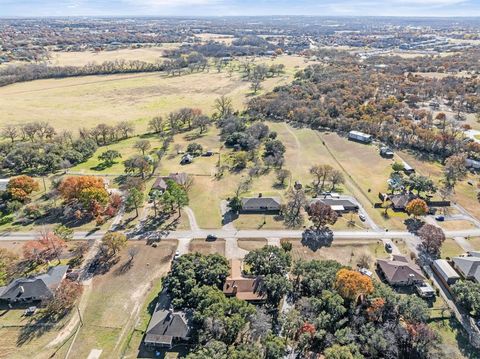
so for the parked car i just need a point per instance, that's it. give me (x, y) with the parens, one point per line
(388, 247)
(211, 237)
(30, 311)
(177, 255)
(362, 217)
(440, 218)
(366, 272)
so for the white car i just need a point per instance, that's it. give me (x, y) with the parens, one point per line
(366, 272)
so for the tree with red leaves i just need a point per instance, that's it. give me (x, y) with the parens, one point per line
(432, 238)
(64, 299)
(47, 247)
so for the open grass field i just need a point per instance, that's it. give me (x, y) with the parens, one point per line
(249, 244)
(117, 298)
(72, 103)
(345, 251)
(202, 246)
(475, 243)
(450, 249)
(81, 58)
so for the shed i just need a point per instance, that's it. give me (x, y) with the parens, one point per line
(445, 271)
(359, 137)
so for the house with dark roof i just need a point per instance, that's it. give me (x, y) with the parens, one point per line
(469, 266)
(167, 327)
(399, 272)
(400, 200)
(248, 288)
(261, 204)
(38, 288)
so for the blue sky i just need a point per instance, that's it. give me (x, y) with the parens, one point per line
(239, 7)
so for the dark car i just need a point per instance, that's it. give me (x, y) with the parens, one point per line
(388, 247)
(211, 237)
(440, 218)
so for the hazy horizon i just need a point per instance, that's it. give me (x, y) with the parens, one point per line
(219, 8)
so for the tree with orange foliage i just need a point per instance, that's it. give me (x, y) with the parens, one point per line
(307, 328)
(350, 284)
(375, 310)
(417, 207)
(87, 191)
(19, 188)
(44, 249)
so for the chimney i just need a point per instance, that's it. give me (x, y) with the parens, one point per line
(260, 195)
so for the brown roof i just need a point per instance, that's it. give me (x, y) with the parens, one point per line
(399, 270)
(244, 288)
(400, 201)
(160, 184)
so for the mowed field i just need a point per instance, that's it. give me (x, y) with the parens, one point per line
(81, 58)
(71, 103)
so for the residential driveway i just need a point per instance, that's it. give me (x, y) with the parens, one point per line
(232, 250)
(226, 216)
(395, 250)
(183, 245)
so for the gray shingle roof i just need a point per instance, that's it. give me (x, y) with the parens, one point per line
(469, 267)
(261, 202)
(166, 325)
(39, 287)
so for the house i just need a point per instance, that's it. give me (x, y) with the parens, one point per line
(248, 288)
(359, 137)
(339, 205)
(400, 200)
(167, 327)
(386, 152)
(161, 182)
(3, 184)
(445, 272)
(399, 271)
(40, 287)
(469, 266)
(261, 204)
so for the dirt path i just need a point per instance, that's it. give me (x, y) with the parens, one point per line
(191, 219)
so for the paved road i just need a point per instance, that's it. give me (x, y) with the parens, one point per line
(248, 233)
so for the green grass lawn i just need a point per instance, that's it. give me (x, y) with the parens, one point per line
(450, 249)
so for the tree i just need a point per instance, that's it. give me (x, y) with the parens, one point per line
(275, 347)
(432, 238)
(223, 106)
(143, 146)
(337, 351)
(397, 167)
(239, 160)
(156, 124)
(321, 215)
(336, 178)
(351, 284)
(321, 173)
(174, 196)
(10, 131)
(292, 211)
(201, 122)
(413, 309)
(42, 250)
(195, 270)
(19, 188)
(195, 149)
(63, 232)
(421, 184)
(125, 128)
(313, 277)
(140, 164)
(64, 299)
(113, 242)
(468, 295)
(134, 199)
(454, 170)
(276, 287)
(268, 260)
(417, 207)
(7, 266)
(108, 157)
(282, 175)
(235, 204)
